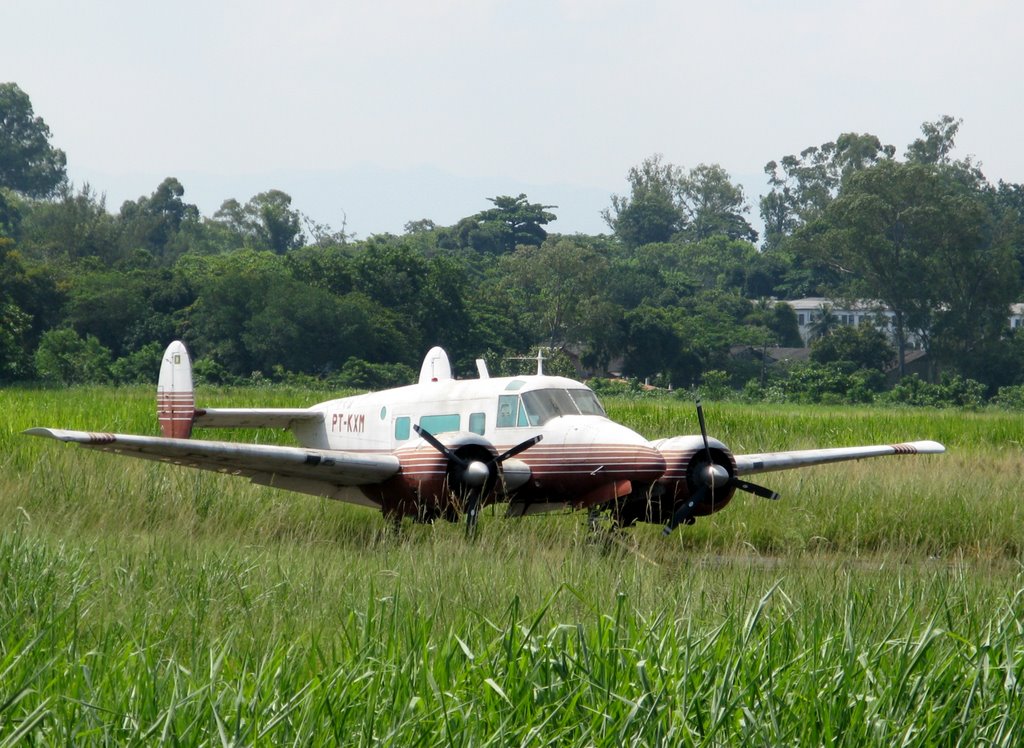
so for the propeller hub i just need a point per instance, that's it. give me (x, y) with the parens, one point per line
(476, 474)
(715, 475)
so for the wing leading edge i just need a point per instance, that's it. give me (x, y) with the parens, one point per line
(770, 461)
(314, 471)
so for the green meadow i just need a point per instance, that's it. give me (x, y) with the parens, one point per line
(878, 602)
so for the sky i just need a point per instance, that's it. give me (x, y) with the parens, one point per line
(374, 114)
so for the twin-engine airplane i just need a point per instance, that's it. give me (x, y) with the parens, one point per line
(445, 447)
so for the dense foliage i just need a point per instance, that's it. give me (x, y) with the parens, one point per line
(678, 294)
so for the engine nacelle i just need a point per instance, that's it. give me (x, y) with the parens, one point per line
(684, 456)
(431, 484)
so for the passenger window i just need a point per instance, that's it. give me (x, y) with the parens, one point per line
(477, 423)
(440, 424)
(507, 406)
(402, 428)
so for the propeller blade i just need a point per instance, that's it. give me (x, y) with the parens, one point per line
(682, 513)
(764, 493)
(704, 431)
(472, 512)
(521, 447)
(436, 444)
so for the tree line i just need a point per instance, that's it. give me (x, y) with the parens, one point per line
(260, 291)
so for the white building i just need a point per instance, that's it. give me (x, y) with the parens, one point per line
(810, 311)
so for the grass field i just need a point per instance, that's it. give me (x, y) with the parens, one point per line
(878, 602)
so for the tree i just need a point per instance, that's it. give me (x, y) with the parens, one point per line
(426, 292)
(28, 163)
(15, 362)
(304, 329)
(10, 214)
(825, 323)
(719, 262)
(938, 141)
(803, 185)
(512, 222)
(677, 344)
(921, 240)
(276, 225)
(559, 290)
(666, 201)
(328, 267)
(65, 358)
(74, 226)
(654, 346)
(861, 346)
(266, 222)
(228, 289)
(779, 322)
(30, 303)
(126, 309)
(650, 213)
(154, 222)
(712, 205)
(1007, 202)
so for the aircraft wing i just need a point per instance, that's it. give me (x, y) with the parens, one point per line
(769, 461)
(316, 471)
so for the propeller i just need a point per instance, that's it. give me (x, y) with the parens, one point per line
(710, 476)
(476, 477)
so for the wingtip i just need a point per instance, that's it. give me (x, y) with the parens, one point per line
(81, 437)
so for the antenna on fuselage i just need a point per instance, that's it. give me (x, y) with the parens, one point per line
(539, 359)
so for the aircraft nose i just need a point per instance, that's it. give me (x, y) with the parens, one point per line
(615, 449)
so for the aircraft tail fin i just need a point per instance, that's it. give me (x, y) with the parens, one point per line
(436, 366)
(175, 396)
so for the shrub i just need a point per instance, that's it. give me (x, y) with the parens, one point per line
(65, 358)
(615, 387)
(832, 383)
(951, 391)
(715, 385)
(208, 371)
(1010, 397)
(140, 367)
(361, 374)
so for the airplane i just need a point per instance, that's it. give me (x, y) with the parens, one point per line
(444, 448)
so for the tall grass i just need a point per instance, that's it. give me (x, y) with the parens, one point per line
(877, 602)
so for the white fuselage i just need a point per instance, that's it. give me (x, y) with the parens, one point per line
(493, 408)
(583, 456)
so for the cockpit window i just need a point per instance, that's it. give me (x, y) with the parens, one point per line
(587, 402)
(540, 406)
(507, 406)
(543, 405)
(525, 419)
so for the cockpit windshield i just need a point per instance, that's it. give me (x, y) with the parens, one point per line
(543, 405)
(587, 402)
